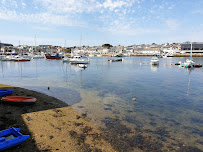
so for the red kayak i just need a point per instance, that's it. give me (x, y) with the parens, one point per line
(18, 99)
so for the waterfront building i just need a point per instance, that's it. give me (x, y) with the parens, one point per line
(197, 47)
(5, 44)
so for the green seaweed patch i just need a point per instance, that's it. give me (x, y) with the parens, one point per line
(123, 139)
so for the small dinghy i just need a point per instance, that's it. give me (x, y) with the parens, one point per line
(5, 92)
(11, 137)
(115, 60)
(18, 100)
(197, 65)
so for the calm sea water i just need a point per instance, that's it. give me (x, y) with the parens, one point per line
(167, 113)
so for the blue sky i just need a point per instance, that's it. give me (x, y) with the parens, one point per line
(118, 22)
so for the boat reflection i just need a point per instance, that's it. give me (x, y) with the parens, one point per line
(154, 68)
(189, 75)
(78, 68)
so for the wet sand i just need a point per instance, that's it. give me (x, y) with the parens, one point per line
(52, 125)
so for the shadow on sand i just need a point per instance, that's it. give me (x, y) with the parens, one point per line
(10, 115)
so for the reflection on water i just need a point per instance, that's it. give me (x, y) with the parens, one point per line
(189, 71)
(154, 68)
(167, 113)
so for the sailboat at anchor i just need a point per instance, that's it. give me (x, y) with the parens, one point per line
(189, 63)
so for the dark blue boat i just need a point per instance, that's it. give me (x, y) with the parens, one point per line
(5, 91)
(11, 137)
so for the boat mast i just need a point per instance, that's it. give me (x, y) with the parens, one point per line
(0, 45)
(191, 52)
(35, 45)
(191, 46)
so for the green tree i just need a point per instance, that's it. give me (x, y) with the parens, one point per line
(67, 50)
(107, 45)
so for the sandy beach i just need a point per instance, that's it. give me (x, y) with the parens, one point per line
(52, 125)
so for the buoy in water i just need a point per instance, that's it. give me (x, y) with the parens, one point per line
(133, 99)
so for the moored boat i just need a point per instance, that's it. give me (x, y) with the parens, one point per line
(197, 65)
(53, 57)
(154, 60)
(115, 60)
(5, 92)
(189, 63)
(79, 59)
(179, 63)
(11, 137)
(21, 60)
(18, 100)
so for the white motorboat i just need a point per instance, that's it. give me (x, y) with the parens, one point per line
(79, 59)
(154, 60)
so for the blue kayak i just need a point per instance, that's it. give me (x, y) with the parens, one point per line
(11, 137)
(5, 91)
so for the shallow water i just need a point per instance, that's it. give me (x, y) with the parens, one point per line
(167, 113)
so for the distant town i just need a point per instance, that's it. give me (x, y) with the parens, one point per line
(176, 49)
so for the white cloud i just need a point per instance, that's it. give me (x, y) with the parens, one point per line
(68, 6)
(3, 2)
(172, 24)
(112, 5)
(23, 4)
(44, 18)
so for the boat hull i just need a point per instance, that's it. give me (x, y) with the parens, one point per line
(154, 63)
(78, 62)
(54, 57)
(115, 60)
(18, 100)
(5, 92)
(197, 65)
(21, 60)
(16, 138)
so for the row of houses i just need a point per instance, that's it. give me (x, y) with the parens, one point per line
(153, 48)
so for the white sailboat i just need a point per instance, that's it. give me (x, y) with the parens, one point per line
(189, 63)
(36, 56)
